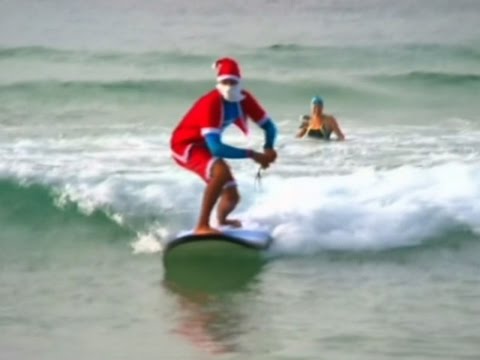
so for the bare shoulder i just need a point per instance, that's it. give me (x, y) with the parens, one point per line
(329, 118)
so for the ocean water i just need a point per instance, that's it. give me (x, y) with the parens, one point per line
(377, 239)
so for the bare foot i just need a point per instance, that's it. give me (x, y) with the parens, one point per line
(204, 230)
(233, 223)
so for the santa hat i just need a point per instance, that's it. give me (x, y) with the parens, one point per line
(227, 68)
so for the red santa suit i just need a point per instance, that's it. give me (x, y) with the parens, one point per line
(207, 115)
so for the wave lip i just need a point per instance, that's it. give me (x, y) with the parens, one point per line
(36, 209)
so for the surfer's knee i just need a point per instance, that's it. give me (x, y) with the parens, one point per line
(230, 192)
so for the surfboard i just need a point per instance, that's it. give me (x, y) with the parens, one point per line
(228, 238)
(217, 261)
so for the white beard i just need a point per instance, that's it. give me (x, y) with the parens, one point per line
(231, 93)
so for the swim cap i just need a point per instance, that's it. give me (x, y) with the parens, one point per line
(317, 100)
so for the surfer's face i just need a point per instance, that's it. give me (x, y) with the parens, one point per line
(318, 109)
(230, 89)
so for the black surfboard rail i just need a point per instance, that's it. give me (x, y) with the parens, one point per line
(216, 237)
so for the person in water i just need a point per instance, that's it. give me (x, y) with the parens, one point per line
(319, 125)
(196, 143)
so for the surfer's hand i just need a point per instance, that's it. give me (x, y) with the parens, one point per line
(271, 154)
(262, 159)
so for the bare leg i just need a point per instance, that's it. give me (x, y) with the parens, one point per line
(220, 176)
(228, 201)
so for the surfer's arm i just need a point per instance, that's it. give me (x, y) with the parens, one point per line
(336, 129)
(270, 130)
(219, 149)
(302, 132)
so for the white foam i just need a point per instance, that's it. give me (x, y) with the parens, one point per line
(307, 203)
(150, 242)
(369, 209)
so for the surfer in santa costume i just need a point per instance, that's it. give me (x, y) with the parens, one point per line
(196, 142)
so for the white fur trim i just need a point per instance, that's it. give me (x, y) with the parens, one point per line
(224, 77)
(208, 169)
(264, 120)
(229, 184)
(205, 131)
(183, 157)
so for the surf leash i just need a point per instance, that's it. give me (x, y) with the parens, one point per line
(258, 179)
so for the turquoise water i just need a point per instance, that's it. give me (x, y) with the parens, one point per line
(376, 252)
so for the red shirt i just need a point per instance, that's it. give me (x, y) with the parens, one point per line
(206, 116)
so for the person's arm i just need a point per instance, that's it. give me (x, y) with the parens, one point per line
(336, 129)
(221, 150)
(218, 149)
(305, 122)
(302, 132)
(256, 112)
(270, 135)
(270, 130)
